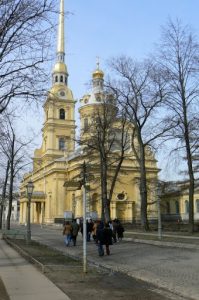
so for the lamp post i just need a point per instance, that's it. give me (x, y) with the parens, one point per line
(159, 213)
(29, 188)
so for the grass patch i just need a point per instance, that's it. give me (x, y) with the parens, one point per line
(44, 254)
(97, 283)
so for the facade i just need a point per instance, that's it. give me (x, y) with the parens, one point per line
(57, 165)
(175, 201)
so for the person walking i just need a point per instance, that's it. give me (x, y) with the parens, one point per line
(89, 229)
(114, 225)
(99, 238)
(74, 231)
(120, 231)
(67, 232)
(94, 232)
(107, 237)
(104, 237)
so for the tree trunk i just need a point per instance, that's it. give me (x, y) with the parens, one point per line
(113, 183)
(1, 215)
(4, 194)
(11, 183)
(143, 187)
(191, 182)
(189, 162)
(105, 201)
(10, 202)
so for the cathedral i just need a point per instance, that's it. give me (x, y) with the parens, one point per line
(58, 163)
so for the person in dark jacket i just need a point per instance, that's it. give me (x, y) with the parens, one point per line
(107, 236)
(104, 237)
(74, 231)
(67, 232)
(99, 238)
(114, 229)
(120, 231)
(89, 229)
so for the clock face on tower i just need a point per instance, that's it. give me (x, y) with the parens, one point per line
(62, 93)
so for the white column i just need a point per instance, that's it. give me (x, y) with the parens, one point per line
(113, 206)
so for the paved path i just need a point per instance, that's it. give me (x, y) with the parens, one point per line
(175, 269)
(22, 280)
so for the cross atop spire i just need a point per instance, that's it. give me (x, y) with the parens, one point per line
(97, 62)
(98, 74)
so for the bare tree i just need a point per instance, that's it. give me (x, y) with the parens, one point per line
(139, 89)
(105, 140)
(179, 62)
(24, 42)
(14, 152)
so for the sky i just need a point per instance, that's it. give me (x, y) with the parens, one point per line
(109, 28)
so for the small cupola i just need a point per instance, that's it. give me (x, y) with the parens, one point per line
(98, 79)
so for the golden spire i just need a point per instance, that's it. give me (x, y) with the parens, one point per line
(60, 73)
(60, 41)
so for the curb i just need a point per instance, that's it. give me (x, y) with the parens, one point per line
(25, 255)
(164, 244)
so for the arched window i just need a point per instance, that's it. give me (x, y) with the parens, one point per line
(65, 80)
(168, 207)
(86, 124)
(56, 78)
(62, 144)
(62, 114)
(186, 206)
(98, 99)
(197, 205)
(61, 79)
(177, 207)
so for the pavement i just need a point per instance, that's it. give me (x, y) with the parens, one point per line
(170, 265)
(20, 280)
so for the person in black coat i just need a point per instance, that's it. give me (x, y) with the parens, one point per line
(89, 229)
(99, 238)
(120, 231)
(104, 237)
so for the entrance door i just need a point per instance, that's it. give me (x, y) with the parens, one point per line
(121, 211)
(38, 212)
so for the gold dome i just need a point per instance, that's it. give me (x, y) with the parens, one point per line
(98, 74)
(60, 67)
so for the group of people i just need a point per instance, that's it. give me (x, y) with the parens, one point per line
(104, 234)
(107, 234)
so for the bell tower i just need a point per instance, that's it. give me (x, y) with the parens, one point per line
(94, 102)
(59, 124)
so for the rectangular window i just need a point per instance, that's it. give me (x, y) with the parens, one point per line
(62, 144)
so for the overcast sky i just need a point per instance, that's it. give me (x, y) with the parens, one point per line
(108, 28)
